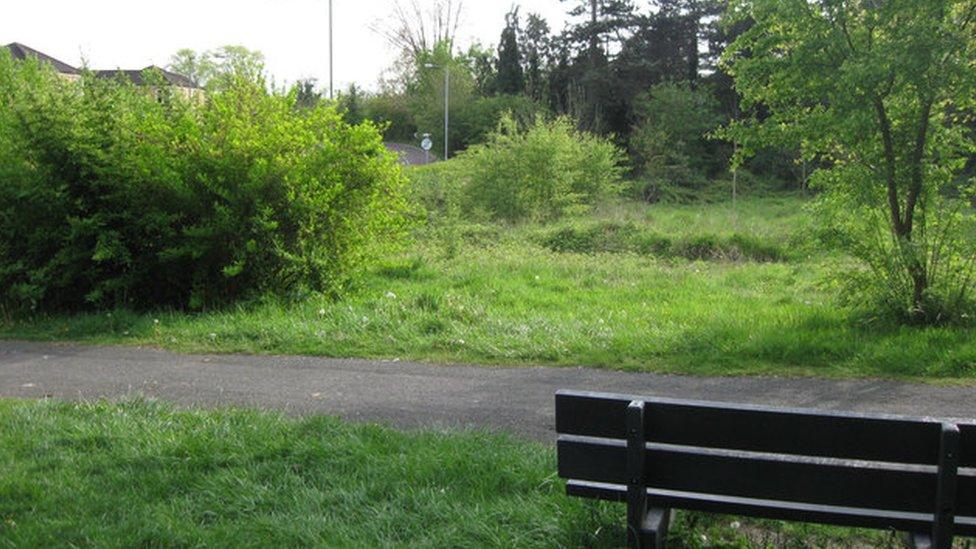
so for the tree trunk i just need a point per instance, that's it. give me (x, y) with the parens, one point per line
(920, 284)
(903, 228)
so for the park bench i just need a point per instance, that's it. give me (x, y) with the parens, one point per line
(912, 475)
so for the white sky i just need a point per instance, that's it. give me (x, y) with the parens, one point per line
(292, 34)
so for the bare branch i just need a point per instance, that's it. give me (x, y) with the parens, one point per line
(413, 29)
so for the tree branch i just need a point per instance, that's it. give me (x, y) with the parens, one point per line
(918, 152)
(889, 172)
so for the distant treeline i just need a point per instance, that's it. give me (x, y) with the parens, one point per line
(647, 75)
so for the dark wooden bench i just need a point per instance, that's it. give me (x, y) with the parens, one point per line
(913, 475)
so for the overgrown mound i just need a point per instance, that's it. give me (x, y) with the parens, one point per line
(611, 237)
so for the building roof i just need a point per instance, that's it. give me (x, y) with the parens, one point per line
(20, 51)
(136, 76)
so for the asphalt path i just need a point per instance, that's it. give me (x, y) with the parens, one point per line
(416, 395)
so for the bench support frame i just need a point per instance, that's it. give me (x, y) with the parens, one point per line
(945, 494)
(647, 528)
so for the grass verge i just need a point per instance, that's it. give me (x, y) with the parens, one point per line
(498, 295)
(139, 473)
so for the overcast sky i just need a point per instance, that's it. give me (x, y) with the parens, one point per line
(292, 34)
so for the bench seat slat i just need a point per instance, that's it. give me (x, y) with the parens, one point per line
(781, 478)
(777, 510)
(871, 437)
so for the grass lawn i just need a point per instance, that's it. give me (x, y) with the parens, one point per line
(717, 289)
(141, 474)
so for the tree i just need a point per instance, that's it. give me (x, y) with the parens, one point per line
(306, 96)
(604, 22)
(670, 142)
(351, 103)
(873, 89)
(425, 94)
(656, 52)
(198, 68)
(536, 44)
(602, 25)
(560, 76)
(416, 30)
(482, 63)
(236, 60)
(213, 67)
(511, 79)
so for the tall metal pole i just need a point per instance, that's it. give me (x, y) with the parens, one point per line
(447, 107)
(331, 88)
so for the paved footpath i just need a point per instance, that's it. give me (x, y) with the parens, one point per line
(408, 395)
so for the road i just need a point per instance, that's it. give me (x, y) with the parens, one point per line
(410, 395)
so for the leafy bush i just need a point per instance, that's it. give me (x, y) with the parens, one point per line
(540, 173)
(116, 195)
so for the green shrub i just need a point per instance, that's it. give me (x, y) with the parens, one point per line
(114, 195)
(540, 173)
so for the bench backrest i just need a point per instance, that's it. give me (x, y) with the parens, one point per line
(852, 469)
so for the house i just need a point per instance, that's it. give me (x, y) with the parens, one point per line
(180, 83)
(22, 52)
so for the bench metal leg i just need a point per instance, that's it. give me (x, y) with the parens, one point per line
(646, 528)
(654, 530)
(919, 540)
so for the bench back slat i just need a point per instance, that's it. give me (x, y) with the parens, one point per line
(697, 470)
(758, 429)
(967, 445)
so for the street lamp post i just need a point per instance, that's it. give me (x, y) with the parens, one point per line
(447, 105)
(331, 56)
